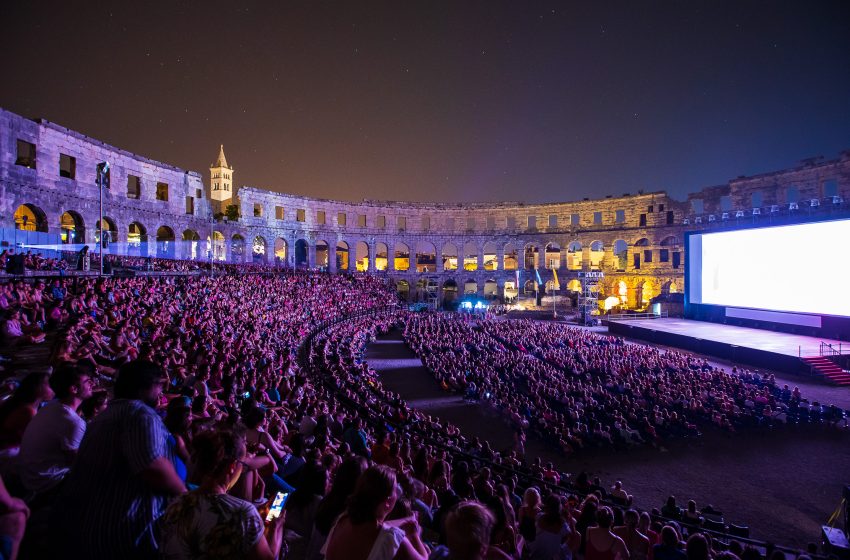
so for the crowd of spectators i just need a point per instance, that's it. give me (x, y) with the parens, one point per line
(179, 406)
(579, 389)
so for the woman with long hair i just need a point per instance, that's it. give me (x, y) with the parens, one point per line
(361, 532)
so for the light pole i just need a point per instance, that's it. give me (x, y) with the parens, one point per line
(102, 170)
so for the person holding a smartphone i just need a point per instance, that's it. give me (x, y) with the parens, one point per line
(210, 523)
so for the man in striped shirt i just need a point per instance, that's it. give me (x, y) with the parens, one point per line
(123, 477)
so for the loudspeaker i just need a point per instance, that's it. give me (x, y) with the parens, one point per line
(539, 298)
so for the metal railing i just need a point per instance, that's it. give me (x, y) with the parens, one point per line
(828, 349)
(631, 316)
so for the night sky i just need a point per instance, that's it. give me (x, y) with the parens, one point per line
(445, 101)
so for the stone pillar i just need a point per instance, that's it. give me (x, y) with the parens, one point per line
(332, 258)
(311, 254)
(438, 259)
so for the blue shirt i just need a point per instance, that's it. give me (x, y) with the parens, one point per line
(105, 509)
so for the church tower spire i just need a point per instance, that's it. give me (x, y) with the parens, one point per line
(221, 181)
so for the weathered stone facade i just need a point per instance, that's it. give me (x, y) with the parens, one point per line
(635, 239)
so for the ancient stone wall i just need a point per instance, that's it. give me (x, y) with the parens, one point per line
(637, 240)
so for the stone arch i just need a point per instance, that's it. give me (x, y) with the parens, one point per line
(302, 258)
(491, 258)
(621, 254)
(622, 291)
(670, 287)
(575, 260)
(641, 249)
(553, 255)
(491, 289)
(280, 249)
(258, 249)
(426, 257)
(470, 287)
(529, 287)
(343, 260)
(137, 239)
(597, 254)
(29, 217)
(72, 228)
(531, 259)
(361, 256)
(403, 289)
(190, 239)
(401, 257)
(670, 241)
(322, 254)
(165, 242)
(237, 248)
(644, 294)
(450, 257)
(510, 261)
(449, 292)
(111, 229)
(381, 256)
(470, 257)
(219, 248)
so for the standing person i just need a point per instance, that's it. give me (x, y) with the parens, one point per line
(51, 440)
(123, 476)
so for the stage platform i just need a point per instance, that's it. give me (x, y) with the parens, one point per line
(756, 347)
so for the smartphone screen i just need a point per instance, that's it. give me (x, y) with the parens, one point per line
(277, 505)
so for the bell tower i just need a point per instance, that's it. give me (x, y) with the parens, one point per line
(221, 182)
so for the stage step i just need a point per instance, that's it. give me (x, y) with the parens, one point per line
(828, 370)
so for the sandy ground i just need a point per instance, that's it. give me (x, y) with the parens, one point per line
(783, 483)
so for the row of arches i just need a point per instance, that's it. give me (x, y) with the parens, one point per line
(610, 296)
(423, 257)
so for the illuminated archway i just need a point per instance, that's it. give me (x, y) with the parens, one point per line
(491, 259)
(597, 254)
(532, 257)
(322, 254)
(137, 239)
(450, 257)
(491, 289)
(29, 217)
(426, 257)
(165, 242)
(553, 255)
(111, 230)
(574, 256)
(510, 260)
(361, 255)
(401, 257)
(381, 256)
(449, 291)
(342, 256)
(470, 287)
(190, 239)
(621, 255)
(470, 256)
(72, 229)
(280, 250)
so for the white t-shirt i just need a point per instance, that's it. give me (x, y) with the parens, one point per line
(44, 461)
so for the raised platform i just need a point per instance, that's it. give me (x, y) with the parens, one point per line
(761, 348)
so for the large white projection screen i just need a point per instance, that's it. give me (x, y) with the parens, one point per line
(801, 268)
